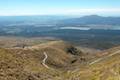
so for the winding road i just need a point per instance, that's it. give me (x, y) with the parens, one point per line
(44, 60)
(100, 59)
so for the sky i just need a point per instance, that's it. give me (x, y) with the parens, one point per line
(59, 7)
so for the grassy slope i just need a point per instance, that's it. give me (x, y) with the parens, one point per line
(106, 69)
(25, 64)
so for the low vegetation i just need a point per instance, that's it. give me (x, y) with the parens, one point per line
(65, 62)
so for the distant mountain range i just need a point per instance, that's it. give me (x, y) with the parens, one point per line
(92, 20)
(43, 23)
(36, 19)
(62, 20)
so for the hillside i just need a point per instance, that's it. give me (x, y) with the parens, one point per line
(58, 60)
(27, 63)
(104, 67)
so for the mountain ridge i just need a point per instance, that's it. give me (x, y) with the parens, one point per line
(92, 19)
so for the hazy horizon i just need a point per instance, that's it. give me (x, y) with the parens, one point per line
(62, 7)
(67, 16)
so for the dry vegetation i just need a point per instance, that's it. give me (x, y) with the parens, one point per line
(66, 62)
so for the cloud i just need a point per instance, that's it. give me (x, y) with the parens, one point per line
(86, 11)
(91, 11)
